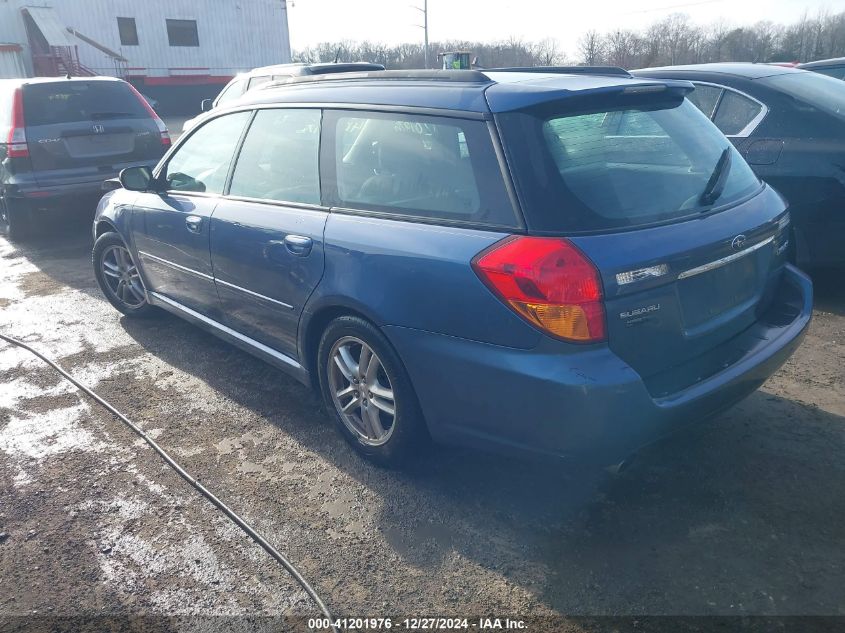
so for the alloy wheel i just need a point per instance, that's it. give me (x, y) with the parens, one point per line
(122, 276)
(361, 391)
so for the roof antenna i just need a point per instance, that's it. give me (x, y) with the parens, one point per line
(67, 76)
(337, 55)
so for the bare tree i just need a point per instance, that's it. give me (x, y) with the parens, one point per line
(591, 48)
(673, 40)
(618, 45)
(547, 53)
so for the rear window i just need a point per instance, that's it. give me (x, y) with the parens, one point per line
(819, 91)
(73, 101)
(620, 168)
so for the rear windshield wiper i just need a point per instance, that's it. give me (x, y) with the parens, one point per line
(718, 179)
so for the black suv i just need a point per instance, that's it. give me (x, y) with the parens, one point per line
(61, 137)
(789, 124)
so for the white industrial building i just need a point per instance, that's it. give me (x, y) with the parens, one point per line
(191, 47)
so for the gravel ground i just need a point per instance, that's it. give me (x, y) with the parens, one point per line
(740, 516)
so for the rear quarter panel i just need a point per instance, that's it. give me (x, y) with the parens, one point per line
(413, 275)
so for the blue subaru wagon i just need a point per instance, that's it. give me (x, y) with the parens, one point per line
(564, 261)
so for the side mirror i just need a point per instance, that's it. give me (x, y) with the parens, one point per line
(206, 105)
(111, 184)
(136, 178)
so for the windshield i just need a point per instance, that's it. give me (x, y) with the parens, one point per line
(819, 91)
(621, 168)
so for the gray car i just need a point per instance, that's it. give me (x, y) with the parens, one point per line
(60, 138)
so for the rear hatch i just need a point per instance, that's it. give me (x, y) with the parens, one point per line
(78, 130)
(689, 244)
(676, 295)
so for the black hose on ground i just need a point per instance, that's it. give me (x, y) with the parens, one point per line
(233, 516)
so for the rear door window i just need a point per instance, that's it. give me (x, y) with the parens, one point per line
(420, 166)
(279, 159)
(201, 164)
(736, 113)
(74, 101)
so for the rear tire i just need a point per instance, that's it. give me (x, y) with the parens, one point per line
(119, 277)
(374, 405)
(15, 219)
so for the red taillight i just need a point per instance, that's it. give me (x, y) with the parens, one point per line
(164, 135)
(16, 146)
(549, 282)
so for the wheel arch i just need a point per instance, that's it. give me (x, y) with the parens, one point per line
(315, 322)
(104, 226)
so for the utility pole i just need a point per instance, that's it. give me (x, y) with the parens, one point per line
(425, 26)
(424, 10)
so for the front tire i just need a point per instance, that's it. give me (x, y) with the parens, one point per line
(369, 393)
(119, 277)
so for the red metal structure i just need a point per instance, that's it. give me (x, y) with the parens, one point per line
(60, 60)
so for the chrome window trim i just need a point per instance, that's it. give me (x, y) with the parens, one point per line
(179, 267)
(294, 206)
(725, 260)
(753, 124)
(254, 294)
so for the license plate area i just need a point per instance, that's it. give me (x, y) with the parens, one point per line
(708, 295)
(97, 145)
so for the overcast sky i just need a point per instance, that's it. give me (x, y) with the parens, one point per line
(393, 21)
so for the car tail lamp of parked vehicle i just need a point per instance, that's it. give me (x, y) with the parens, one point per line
(16, 146)
(162, 128)
(548, 282)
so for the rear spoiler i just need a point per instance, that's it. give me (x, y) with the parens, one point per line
(506, 97)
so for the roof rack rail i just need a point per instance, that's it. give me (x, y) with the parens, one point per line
(458, 76)
(565, 70)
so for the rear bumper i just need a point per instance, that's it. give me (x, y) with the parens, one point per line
(585, 404)
(45, 187)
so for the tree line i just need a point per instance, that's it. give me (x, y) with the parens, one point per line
(670, 41)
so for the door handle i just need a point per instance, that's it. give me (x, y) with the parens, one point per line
(299, 245)
(194, 223)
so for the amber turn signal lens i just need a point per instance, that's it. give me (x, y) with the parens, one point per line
(568, 322)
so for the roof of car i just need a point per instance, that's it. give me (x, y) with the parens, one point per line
(465, 90)
(736, 69)
(821, 63)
